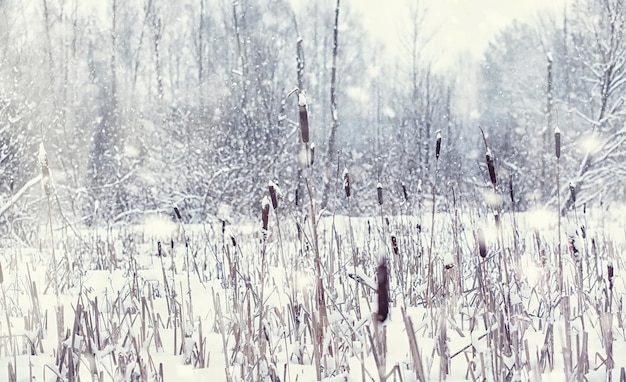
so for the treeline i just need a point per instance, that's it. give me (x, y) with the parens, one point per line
(145, 104)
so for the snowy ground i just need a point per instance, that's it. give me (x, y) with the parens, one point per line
(231, 305)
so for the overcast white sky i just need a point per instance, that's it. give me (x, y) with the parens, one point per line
(459, 25)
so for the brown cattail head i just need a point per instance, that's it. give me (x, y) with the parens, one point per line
(482, 245)
(265, 213)
(177, 212)
(297, 196)
(491, 167)
(274, 192)
(511, 195)
(609, 271)
(557, 142)
(382, 291)
(159, 249)
(312, 154)
(438, 146)
(394, 245)
(223, 227)
(405, 193)
(572, 192)
(304, 117)
(346, 182)
(233, 241)
(379, 191)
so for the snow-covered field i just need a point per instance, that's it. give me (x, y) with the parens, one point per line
(165, 301)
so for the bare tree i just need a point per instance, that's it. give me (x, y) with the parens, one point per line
(600, 44)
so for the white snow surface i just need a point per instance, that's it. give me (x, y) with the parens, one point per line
(120, 282)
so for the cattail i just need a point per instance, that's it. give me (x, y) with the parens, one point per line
(379, 190)
(382, 291)
(572, 192)
(482, 246)
(177, 212)
(609, 269)
(438, 146)
(159, 249)
(572, 243)
(419, 228)
(394, 245)
(557, 142)
(265, 213)
(297, 197)
(405, 193)
(346, 182)
(312, 156)
(491, 166)
(223, 226)
(233, 241)
(304, 117)
(511, 190)
(274, 192)
(583, 232)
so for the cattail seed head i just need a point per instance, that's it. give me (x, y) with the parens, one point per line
(223, 227)
(274, 192)
(233, 241)
(438, 146)
(159, 249)
(482, 245)
(312, 154)
(304, 117)
(557, 142)
(491, 167)
(394, 245)
(405, 193)
(379, 191)
(346, 182)
(610, 274)
(265, 213)
(511, 195)
(177, 212)
(297, 197)
(572, 192)
(382, 291)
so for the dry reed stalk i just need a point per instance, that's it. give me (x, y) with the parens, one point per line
(220, 319)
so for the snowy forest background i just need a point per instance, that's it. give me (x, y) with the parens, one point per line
(146, 104)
